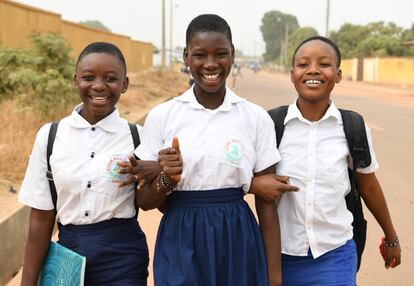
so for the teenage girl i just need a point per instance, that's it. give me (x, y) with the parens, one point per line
(316, 231)
(96, 217)
(208, 234)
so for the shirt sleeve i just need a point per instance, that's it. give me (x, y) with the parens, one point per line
(35, 190)
(374, 164)
(266, 148)
(151, 139)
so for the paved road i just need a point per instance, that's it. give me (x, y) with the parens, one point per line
(389, 111)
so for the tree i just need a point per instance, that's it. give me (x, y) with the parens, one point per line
(298, 37)
(95, 24)
(273, 29)
(373, 40)
(408, 35)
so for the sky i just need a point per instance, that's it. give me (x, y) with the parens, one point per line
(141, 20)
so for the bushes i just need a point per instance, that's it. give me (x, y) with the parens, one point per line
(40, 78)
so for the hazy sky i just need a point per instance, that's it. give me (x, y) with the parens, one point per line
(141, 20)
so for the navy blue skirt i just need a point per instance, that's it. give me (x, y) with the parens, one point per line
(116, 251)
(209, 238)
(337, 267)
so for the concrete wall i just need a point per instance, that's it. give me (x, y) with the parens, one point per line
(18, 22)
(380, 70)
(13, 234)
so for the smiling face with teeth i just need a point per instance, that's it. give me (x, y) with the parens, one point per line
(210, 56)
(100, 79)
(315, 72)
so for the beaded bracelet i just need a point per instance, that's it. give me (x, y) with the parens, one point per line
(163, 186)
(393, 243)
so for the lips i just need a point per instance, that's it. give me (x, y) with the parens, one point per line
(313, 82)
(99, 100)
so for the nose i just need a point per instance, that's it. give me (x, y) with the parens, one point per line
(211, 62)
(313, 69)
(98, 84)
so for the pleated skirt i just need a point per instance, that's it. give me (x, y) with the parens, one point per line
(337, 267)
(209, 238)
(116, 251)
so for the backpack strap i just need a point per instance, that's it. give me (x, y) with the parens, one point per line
(135, 134)
(49, 149)
(278, 116)
(356, 136)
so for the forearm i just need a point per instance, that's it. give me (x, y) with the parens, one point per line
(37, 245)
(148, 197)
(269, 226)
(374, 199)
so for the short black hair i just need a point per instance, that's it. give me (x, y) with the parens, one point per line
(325, 40)
(103, 47)
(208, 23)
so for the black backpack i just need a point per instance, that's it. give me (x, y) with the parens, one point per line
(356, 136)
(49, 150)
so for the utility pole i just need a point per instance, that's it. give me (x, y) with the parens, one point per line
(171, 32)
(327, 17)
(163, 36)
(285, 50)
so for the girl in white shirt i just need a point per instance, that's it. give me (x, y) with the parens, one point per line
(208, 234)
(96, 217)
(316, 231)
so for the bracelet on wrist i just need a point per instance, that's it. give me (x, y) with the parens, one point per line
(163, 186)
(391, 243)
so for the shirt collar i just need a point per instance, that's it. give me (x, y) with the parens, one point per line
(229, 99)
(109, 123)
(294, 112)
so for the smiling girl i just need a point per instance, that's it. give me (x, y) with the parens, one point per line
(96, 217)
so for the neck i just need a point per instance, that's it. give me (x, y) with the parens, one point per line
(313, 111)
(210, 100)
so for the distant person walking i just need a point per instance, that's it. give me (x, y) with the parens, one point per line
(235, 73)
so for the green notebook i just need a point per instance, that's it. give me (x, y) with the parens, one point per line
(62, 267)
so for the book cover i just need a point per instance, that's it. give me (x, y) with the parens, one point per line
(62, 267)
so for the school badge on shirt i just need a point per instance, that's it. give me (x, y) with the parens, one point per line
(233, 153)
(113, 168)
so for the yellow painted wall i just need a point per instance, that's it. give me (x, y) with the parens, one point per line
(347, 69)
(396, 70)
(18, 22)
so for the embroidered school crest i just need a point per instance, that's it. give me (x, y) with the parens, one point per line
(113, 168)
(234, 153)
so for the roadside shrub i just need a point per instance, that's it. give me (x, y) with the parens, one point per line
(39, 78)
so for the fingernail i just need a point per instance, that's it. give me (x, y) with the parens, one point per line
(387, 267)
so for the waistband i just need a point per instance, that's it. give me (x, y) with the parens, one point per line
(205, 198)
(106, 224)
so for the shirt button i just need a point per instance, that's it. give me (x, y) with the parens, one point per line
(92, 154)
(86, 213)
(93, 128)
(89, 184)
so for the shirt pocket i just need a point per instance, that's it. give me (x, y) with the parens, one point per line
(107, 179)
(233, 153)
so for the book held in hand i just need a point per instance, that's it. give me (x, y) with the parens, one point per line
(62, 267)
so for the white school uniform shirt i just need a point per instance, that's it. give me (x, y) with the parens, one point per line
(220, 148)
(315, 157)
(84, 167)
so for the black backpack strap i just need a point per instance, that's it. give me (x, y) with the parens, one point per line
(137, 141)
(135, 134)
(278, 115)
(49, 150)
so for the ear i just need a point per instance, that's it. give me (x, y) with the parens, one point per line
(233, 54)
(125, 84)
(185, 57)
(338, 76)
(74, 82)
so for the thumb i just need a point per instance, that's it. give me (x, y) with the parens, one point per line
(387, 262)
(175, 143)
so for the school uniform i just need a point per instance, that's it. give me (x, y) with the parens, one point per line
(315, 224)
(96, 218)
(208, 234)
